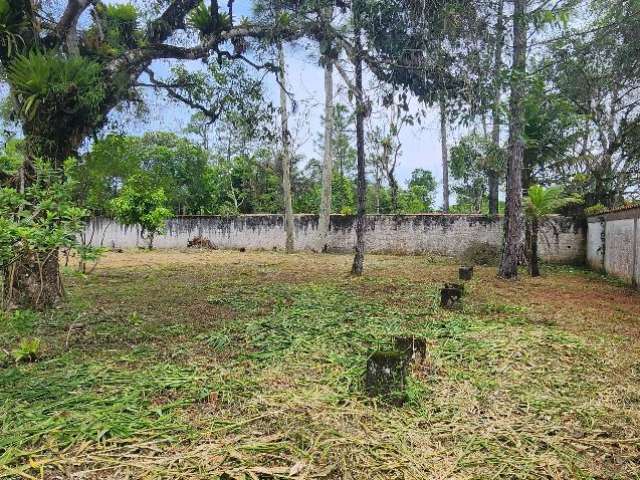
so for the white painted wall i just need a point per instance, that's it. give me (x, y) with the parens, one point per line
(636, 273)
(619, 248)
(595, 247)
(617, 252)
(561, 240)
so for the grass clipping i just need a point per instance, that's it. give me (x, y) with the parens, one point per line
(250, 366)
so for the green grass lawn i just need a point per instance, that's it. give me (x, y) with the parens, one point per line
(250, 366)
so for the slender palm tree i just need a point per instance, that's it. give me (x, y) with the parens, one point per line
(539, 204)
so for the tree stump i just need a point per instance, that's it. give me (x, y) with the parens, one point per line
(456, 286)
(415, 348)
(451, 296)
(32, 281)
(465, 273)
(386, 375)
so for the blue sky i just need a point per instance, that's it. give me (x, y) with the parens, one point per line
(420, 143)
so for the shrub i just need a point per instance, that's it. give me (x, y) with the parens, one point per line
(39, 220)
(596, 209)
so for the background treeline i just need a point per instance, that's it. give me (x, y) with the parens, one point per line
(196, 181)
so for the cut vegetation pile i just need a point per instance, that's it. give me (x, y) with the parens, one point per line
(243, 366)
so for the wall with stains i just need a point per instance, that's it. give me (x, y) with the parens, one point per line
(613, 244)
(595, 243)
(562, 240)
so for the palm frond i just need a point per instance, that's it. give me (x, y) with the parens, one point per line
(541, 202)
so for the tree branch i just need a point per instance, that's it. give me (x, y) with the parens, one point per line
(172, 19)
(66, 28)
(144, 55)
(346, 78)
(211, 114)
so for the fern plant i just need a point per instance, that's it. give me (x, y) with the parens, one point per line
(202, 19)
(46, 78)
(123, 13)
(115, 29)
(122, 27)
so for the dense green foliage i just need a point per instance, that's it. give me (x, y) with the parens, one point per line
(141, 202)
(438, 33)
(196, 182)
(39, 219)
(44, 81)
(173, 163)
(471, 161)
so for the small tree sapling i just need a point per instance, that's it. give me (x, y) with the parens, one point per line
(141, 203)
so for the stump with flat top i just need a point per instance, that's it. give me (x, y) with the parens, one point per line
(465, 273)
(415, 348)
(451, 296)
(456, 286)
(386, 374)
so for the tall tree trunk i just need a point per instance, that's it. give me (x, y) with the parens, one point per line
(286, 153)
(378, 188)
(513, 248)
(393, 186)
(358, 261)
(445, 154)
(494, 182)
(327, 163)
(534, 262)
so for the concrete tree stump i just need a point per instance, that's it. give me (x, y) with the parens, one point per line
(451, 296)
(465, 273)
(415, 348)
(386, 375)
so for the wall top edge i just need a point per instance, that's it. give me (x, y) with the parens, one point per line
(337, 215)
(627, 214)
(631, 210)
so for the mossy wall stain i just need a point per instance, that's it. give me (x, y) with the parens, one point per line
(442, 234)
